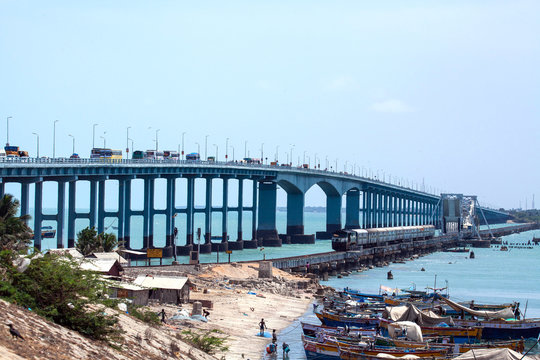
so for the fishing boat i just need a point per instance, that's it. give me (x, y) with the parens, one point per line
(456, 348)
(351, 354)
(352, 320)
(47, 232)
(460, 334)
(496, 329)
(330, 349)
(458, 250)
(499, 324)
(312, 330)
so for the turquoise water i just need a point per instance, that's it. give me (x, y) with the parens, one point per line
(492, 277)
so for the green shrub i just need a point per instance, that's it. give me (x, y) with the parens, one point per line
(57, 289)
(144, 314)
(206, 341)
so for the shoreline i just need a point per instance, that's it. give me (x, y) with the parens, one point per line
(240, 299)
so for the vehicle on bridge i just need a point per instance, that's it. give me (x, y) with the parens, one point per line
(137, 155)
(11, 150)
(105, 154)
(23, 154)
(153, 155)
(357, 239)
(171, 155)
(193, 157)
(249, 160)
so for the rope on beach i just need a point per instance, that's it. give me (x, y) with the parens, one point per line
(281, 334)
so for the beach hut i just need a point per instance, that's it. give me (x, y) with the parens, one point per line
(165, 289)
(108, 267)
(109, 255)
(137, 294)
(66, 251)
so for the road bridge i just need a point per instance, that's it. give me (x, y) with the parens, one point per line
(368, 202)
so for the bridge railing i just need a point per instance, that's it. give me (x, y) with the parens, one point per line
(22, 162)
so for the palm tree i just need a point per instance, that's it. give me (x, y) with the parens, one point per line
(14, 233)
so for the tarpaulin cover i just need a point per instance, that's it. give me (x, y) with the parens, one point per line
(493, 354)
(412, 313)
(505, 313)
(412, 330)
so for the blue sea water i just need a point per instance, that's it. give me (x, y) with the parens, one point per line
(494, 276)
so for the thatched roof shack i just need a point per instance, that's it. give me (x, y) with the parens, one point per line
(137, 294)
(110, 267)
(66, 251)
(166, 289)
(109, 255)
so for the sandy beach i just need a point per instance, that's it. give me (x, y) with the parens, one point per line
(240, 300)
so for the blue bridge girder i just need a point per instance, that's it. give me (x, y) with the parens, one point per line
(382, 204)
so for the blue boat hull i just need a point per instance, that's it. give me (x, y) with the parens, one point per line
(311, 355)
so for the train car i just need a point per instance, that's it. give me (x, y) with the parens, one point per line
(349, 239)
(355, 239)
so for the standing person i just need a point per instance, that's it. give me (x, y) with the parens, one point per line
(286, 350)
(163, 316)
(262, 326)
(274, 336)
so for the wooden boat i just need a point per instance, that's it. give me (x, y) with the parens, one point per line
(350, 354)
(516, 345)
(457, 250)
(312, 330)
(459, 334)
(361, 321)
(505, 329)
(47, 232)
(332, 349)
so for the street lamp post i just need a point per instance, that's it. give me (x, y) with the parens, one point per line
(216, 152)
(226, 149)
(262, 153)
(130, 139)
(103, 137)
(184, 133)
(277, 153)
(73, 146)
(7, 129)
(94, 135)
(127, 142)
(290, 158)
(54, 139)
(304, 157)
(37, 144)
(232, 153)
(157, 147)
(206, 147)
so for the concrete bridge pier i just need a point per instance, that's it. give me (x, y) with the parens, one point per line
(333, 216)
(254, 242)
(352, 209)
(190, 206)
(239, 243)
(223, 246)
(38, 214)
(267, 234)
(206, 247)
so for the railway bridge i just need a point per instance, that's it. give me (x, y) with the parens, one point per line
(368, 202)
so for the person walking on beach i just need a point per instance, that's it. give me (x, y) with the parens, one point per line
(163, 316)
(262, 326)
(274, 336)
(286, 350)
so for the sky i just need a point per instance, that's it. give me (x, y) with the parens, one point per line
(444, 93)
